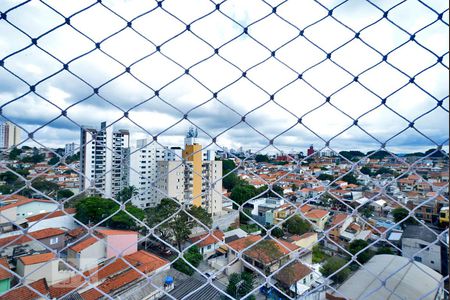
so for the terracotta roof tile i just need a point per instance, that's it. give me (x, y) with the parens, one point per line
(316, 214)
(244, 242)
(292, 273)
(85, 243)
(213, 238)
(25, 293)
(268, 251)
(37, 258)
(4, 274)
(38, 235)
(54, 214)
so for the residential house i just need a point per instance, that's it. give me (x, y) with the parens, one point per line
(318, 217)
(208, 243)
(418, 242)
(58, 218)
(5, 275)
(100, 246)
(295, 278)
(28, 293)
(307, 240)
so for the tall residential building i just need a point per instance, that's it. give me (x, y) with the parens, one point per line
(9, 135)
(69, 149)
(104, 160)
(193, 180)
(143, 171)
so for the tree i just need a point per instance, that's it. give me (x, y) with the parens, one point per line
(332, 265)
(53, 161)
(366, 170)
(230, 180)
(227, 166)
(177, 225)
(350, 179)
(14, 153)
(64, 194)
(385, 250)
(277, 232)
(274, 192)
(193, 256)
(352, 155)
(127, 193)
(401, 213)
(35, 158)
(8, 177)
(261, 158)
(324, 176)
(296, 225)
(358, 245)
(95, 210)
(240, 284)
(45, 186)
(384, 170)
(294, 187)
(243, 192)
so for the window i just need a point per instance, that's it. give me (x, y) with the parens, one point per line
(418, 259)
(53, 241)
(432, 261)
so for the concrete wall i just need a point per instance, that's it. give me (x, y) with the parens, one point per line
(307, 242)
(430, 257)
(92, 255)
(8, 215)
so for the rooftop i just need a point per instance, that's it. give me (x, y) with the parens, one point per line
(25, 293)
(56, 213)
(292, 273)
(401, 276)
(420, 232)
(215, 237)
(37, 258)
(4, 274)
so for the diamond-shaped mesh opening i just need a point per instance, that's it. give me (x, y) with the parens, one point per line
(224, 149)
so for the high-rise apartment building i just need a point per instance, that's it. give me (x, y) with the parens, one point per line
(193, 180)
(104, 160)
(9, 135)
(143, 171)
(70, 148)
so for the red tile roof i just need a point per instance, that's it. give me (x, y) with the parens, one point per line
(268, 251)
(292, 273)
(37, 258)
(145, 263)
(25, 293)
(244, 242)
(57, 213)
(213, 238)
(38, 235)
(85, 243)
(4, 274)
(316, 214)
(337, 219)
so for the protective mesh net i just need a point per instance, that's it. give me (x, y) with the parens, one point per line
(116, 215)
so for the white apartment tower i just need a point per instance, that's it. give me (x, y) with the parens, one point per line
(143, 171)
(104, 160)
(9, 135)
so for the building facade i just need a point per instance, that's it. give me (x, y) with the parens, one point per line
(144, 171)
(104, 160)
(9, 135)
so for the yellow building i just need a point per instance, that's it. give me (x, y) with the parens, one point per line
(193, 153)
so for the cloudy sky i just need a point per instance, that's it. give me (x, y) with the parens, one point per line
(268, 61)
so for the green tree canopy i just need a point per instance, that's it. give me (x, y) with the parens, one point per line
(127, 193)
(358, 245)
(63, 194)
(96, 209)
(366, 170)
(261, 158)
(350, 178)
(401, 213)
(332, 265)
(240, 284)
(297, 225)
(178, 224)
(324, 176)
(193, 256)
